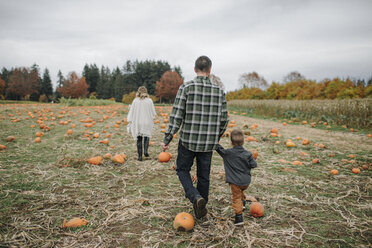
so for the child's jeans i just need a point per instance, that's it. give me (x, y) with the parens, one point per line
(237, 197)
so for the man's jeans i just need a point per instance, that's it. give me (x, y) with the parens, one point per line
(185, 160)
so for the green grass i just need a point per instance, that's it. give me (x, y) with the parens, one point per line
(134, 204)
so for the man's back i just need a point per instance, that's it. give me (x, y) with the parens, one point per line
(200, 107)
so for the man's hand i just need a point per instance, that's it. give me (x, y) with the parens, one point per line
(164, 146)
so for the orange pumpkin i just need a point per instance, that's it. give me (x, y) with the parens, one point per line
(95, 160)
(316, 161)
(37, 140)
(306, 142)
(2, 147)
(69, 132)
(96, 135)
(118, 159)
(256, 209)
(255, 154)
(10, 138)
(164, 157)
(351, 156)
(296, 162)
(274, 130)
(107, 155)
(39, 134)
(251, 138)
(290, 144)
(105, 141)
(183, 222)
(334, 172)
(355, 170)
(75, 222)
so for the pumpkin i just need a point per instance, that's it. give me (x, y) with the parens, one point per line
(255, 154)
(274, 130)
(39, 134)
(2, 147)
(321, 146)
(151, 143)
(290, 144)
(164, 157)
(73, 125)
(107, 155)
(105, 141)
(162, 126)
(256, 209)
(277, 142)
(96, 135)
(296, 162)
(95, 160)
(369, 135)
(163, 130)
(334, 172)
(306, 142)
(284, 123)
(304, 122)
(37, 140)
(305, 154)
(183, 222)
(351, 156)
(355, 170)
(69, 132)
(274, 134)
(166, 120)
(118, 159)
(316, 161)
(251, 138)
(75, 222)
(10, 138)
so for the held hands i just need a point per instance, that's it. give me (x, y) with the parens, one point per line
(164, 147)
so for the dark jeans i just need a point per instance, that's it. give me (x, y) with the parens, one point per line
(185, 160)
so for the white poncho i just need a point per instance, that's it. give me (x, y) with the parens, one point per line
(141, 117)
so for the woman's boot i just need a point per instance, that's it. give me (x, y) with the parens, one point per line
(139, 147)
(146, 146)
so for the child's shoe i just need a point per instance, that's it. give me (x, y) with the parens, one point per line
(244, 202)
(238, 220)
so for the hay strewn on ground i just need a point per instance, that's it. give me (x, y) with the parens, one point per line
(133, 205)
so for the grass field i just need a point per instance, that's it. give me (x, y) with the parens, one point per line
(133, 205)
(354, 113)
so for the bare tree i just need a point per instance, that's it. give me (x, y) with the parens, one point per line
(293, 76)
(252, 80)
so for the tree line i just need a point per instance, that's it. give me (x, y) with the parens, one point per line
(94, 82)
(296, 86)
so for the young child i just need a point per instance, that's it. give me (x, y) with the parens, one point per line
(238, 163)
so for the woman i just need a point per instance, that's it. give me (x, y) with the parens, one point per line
(141, 120)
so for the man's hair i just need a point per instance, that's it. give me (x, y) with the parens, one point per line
(237, 137)
(203, 63)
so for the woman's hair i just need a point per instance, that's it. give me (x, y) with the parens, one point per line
(142, 93)
(237, 137)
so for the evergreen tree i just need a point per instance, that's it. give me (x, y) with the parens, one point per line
(104, 86)
(46, 85)
(35, 70)
(60, 80)
(91, 74)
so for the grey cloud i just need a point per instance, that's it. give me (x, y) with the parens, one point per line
(318, 38)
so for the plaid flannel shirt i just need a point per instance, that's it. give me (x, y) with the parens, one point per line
(200, 107)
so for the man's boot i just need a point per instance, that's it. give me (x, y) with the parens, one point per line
(146, 146)
(139, 147)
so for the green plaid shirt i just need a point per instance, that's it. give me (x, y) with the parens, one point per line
(200, 107)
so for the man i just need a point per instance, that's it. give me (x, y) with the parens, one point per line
(200, 108)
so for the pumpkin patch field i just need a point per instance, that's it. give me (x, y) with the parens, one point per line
(69, 177)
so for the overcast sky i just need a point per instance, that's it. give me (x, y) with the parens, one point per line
(319, 38)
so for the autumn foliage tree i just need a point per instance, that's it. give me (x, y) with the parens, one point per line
(73, 87)
(2, 87)
(167, 86)
(23, 82)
